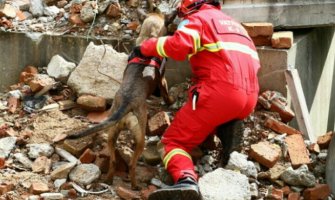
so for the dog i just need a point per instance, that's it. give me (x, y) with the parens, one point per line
(129, 109)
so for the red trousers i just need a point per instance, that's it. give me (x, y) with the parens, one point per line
(217, 104)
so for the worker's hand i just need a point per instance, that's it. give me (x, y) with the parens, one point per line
(136, 52)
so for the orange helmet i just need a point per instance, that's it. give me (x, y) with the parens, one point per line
(186, 7)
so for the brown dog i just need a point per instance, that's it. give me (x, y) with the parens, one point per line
(129, 109)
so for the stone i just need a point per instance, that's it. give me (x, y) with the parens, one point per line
(282, 40)
(41, 164)
(59, 68)
(36, 8)
(299, 177)
(41, 82)
(87, 12)
(7, 144)
(24, 160)
(62, 171)
(222, 184)
(97, 117)
(8, 11)
(52, 196)
(86, 79)
(265, 153)
(13, 104)
(37, 150)
(51, 11)
(238, 161)
(151, 155)
(75, 19)
(6, 187)
(113, 11)
(85, 174)
(277, 170)
(297, 150)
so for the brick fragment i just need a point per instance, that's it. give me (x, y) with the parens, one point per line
(88, 156)
(6, 187)
(314, 147)
(158, 123)
(265, 153)
(324, 140)
(92, 103)
(286, 190)
(282, 40)
(258, 29)
(133, 25)
(293, 196)
(113, 11)
(275, 194)
(76, 20)
(41, 82)
(97, 117)
(2, 162)
(262, 40)
(280, 127)
(297, 150)
(285, 113)
(125, 193)
(320, 191)
(38, 188)
(13, 104)
(77, 147)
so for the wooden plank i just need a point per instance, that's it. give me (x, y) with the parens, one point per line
(299, 103)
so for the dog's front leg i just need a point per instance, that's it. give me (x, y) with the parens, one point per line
(163, 87)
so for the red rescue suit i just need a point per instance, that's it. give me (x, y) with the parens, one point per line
(224, 62)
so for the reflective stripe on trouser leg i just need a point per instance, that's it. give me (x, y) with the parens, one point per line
(177, 161)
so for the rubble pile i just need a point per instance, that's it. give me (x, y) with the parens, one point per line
(98, 18)
(274, 161)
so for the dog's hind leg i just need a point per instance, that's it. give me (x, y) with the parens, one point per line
(112, 138)
(138, 130)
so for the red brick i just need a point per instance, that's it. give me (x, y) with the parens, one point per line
(158, 123)
(282, 40)
(13, 104)
(125, 193)
(275, 194)
(286, 190)
(92, 103)
(38, 188)
(259, 29)
(88, 156)
(147, 191)
(97, 117)
(113, 11)
(2, 162)
(285, 113)
(293, 196)
(30, 69)
(280, 127)
(265, 153)
(6, 187)
(297, 150)
(75, 8)
(133, 25)
(262, 40)
(319, 192)
(324, 140)
(75, 19)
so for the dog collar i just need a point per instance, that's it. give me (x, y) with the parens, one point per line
(152, 61)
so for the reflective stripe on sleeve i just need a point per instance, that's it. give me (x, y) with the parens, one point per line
(230, 46)
(160, 46)
(174, 152)
(195, 35)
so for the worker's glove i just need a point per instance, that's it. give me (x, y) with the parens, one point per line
(136, 52)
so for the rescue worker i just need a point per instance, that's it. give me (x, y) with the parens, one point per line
(224, 64)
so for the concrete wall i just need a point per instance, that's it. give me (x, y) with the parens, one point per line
(313, 54)
(18, 50)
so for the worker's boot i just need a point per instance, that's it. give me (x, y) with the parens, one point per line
(230, 135)
(185, 189)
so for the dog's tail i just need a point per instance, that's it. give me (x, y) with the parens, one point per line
(110, 121)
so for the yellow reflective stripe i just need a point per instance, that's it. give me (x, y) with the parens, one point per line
(160, 46)
(195, 35)
(231, 46)
(174, 152)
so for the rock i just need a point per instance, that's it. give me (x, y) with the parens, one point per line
(151, 155)
(222, 184)
(59, 68)
(277, 170)
(86, 79)
(36, 8)
(158, 123)
(299, 177)
(62, 171)
(37, 150)
(38, 188)
(41, 164)
(24, 160)
(87, 13)
(78, 146)
(8, 11)
(92, 103)
(7, 144)
(52, 196)
(66, 155)
(85, 174)
(238, 161)
(51, 11)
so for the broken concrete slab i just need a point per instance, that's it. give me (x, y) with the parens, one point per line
(99, 72)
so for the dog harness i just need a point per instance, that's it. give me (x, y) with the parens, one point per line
(150, 61)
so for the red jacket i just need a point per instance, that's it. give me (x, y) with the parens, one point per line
(218, 48)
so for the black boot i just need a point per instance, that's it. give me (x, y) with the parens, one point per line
(185, 189)
(230, 135)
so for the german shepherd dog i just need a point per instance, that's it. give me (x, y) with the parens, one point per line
(129, 109)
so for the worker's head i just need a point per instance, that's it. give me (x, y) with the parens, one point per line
(187, 7)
